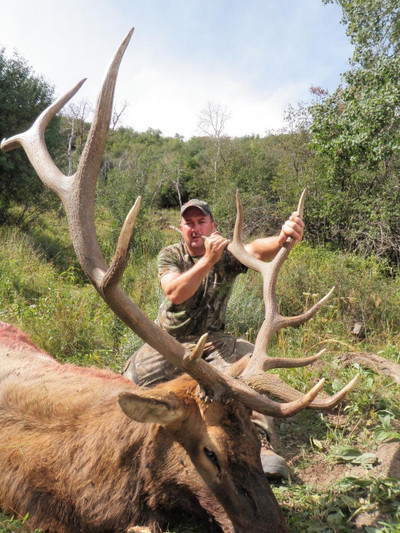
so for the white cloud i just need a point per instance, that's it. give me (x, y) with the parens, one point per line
(177, 63)
(172, 103)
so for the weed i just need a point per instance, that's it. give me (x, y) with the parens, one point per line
(11, 524)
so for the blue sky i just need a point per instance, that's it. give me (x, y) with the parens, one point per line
(253, 57)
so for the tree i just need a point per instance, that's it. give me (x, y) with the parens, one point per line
(359, 124)
(356, 132)
(24, 95)
(212, 121)
(373, 27)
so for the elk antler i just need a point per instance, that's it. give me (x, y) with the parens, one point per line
(273, 321)
(77, 192)
(253, 373)
(275, 386)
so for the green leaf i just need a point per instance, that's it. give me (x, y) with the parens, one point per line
(384, 435)
(347, 454)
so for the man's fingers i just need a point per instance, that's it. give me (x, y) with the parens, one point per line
(215, 245)
(216, 238)
(292, 229)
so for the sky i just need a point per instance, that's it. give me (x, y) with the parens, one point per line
(253, 58)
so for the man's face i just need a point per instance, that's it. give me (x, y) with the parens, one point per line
(194, 225)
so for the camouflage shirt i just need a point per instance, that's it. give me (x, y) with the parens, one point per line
(206, 309)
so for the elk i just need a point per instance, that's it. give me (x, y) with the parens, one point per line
(86, 450)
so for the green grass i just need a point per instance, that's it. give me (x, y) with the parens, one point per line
(10, 524)
(334, 510)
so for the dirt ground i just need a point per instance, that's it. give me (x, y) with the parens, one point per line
(322, 473)
(325, 474)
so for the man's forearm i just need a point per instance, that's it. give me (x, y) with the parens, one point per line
(267, 248)
(264, 249)
(181, 287)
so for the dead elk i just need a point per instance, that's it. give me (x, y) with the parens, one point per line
(86, 450)
(73, 460)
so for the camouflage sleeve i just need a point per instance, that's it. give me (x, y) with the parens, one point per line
(169, 261)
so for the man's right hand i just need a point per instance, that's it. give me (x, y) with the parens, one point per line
(178, 287)
(215, 244)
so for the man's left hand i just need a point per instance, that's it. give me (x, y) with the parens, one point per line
(293, 227)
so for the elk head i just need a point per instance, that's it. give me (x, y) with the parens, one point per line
(249, 504)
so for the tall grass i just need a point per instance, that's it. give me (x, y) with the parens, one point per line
(44, 291)
(365, 291)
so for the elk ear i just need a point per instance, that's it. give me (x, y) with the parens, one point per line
(149, 408)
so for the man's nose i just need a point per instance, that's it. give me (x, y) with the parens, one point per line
(196, 228)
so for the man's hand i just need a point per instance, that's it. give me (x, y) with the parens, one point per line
(179, 287)
(266, 249)
(215, 244)
(293, 227)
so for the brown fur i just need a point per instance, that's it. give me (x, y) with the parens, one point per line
(76, 463)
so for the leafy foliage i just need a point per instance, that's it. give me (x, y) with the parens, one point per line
(24, 95)
(373, 27)
(356, 133)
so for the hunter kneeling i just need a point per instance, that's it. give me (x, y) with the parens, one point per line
(197, 277)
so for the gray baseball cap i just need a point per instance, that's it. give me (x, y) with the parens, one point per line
(203, 206)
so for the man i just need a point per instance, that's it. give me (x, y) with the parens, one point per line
(197, 277)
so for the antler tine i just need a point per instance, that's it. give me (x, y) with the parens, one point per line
(300, 319)
(287, 362)
(90, 161)
(236, 245)
(273, 384)
(32, 141)
(300, 205)
(118, 264)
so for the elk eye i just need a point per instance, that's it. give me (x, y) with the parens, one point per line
(211, 456)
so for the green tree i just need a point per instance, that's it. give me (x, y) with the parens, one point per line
(358, 126)
(373, 27)
(356, 133)
(24, 95)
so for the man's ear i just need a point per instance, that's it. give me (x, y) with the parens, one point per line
(213, 225)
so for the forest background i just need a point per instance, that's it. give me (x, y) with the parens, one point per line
(344, 147)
